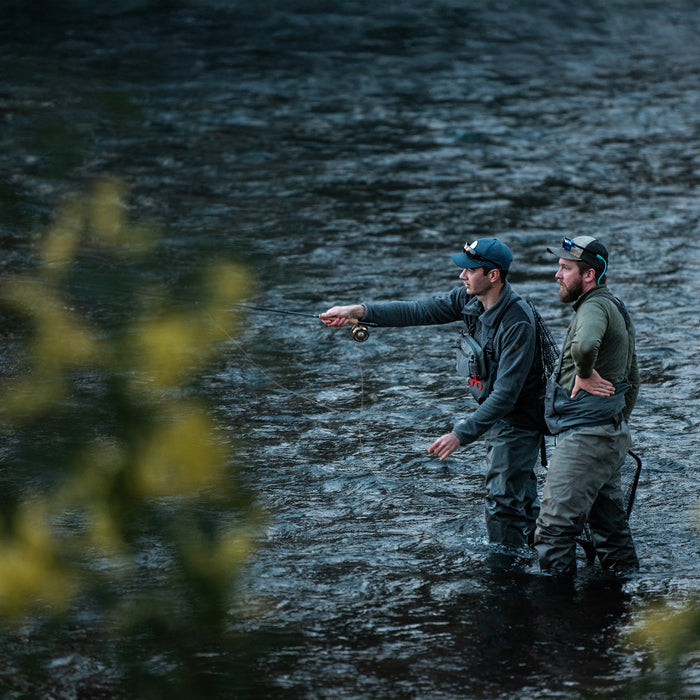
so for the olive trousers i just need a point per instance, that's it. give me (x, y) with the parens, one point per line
(583, 485)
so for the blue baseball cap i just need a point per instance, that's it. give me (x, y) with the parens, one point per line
(486, 252)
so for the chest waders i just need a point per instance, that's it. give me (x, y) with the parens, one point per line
(631, 468)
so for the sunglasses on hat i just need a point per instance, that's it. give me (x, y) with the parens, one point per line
(567, 244)
(472, 254)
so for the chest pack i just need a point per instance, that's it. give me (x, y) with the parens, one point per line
(478, 363)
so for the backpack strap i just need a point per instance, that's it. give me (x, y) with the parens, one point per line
(488, 345)
(621, 306)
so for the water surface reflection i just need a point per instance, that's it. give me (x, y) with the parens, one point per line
(343, 151)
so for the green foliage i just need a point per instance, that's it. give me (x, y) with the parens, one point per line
(121, 515)
(668, 630)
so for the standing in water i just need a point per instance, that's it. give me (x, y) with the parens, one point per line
(589, 399)
(496, 357)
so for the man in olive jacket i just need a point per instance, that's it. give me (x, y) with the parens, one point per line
(589, 400)
(505, 385)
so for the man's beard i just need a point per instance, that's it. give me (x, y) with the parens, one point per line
(570, 294)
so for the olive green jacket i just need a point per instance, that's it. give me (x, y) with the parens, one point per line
(598, 339)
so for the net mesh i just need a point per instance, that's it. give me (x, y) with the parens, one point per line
(546, 349)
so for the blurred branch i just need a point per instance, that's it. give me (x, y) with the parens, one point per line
(115, 464)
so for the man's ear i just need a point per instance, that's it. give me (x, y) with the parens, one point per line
(494, 275)
(589, 275)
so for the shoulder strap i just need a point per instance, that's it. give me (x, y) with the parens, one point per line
(488, 345)
(623, 309)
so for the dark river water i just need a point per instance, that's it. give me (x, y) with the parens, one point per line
(343, 150)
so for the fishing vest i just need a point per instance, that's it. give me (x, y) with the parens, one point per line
(479, 366)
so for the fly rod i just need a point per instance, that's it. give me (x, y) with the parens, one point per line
(360, 331)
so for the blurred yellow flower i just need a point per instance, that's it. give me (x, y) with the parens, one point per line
(181, 457)
(29, 572)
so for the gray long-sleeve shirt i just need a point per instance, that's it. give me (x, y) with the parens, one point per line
(513, 346)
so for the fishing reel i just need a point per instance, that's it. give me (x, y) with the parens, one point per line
(360, 332)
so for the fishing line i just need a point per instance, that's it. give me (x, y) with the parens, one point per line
(276, 311)
(281, 386)
(360, 329)
(360, 333)
(272, 380)
(362, 406)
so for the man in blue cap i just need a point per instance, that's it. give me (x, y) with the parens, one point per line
(496, 357)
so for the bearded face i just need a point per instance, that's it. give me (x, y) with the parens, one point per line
(570, 281)
(571, 292)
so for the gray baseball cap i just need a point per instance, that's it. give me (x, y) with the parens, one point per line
(583, 249)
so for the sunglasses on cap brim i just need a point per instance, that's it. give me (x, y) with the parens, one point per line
(567, 244)
(473, 255)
